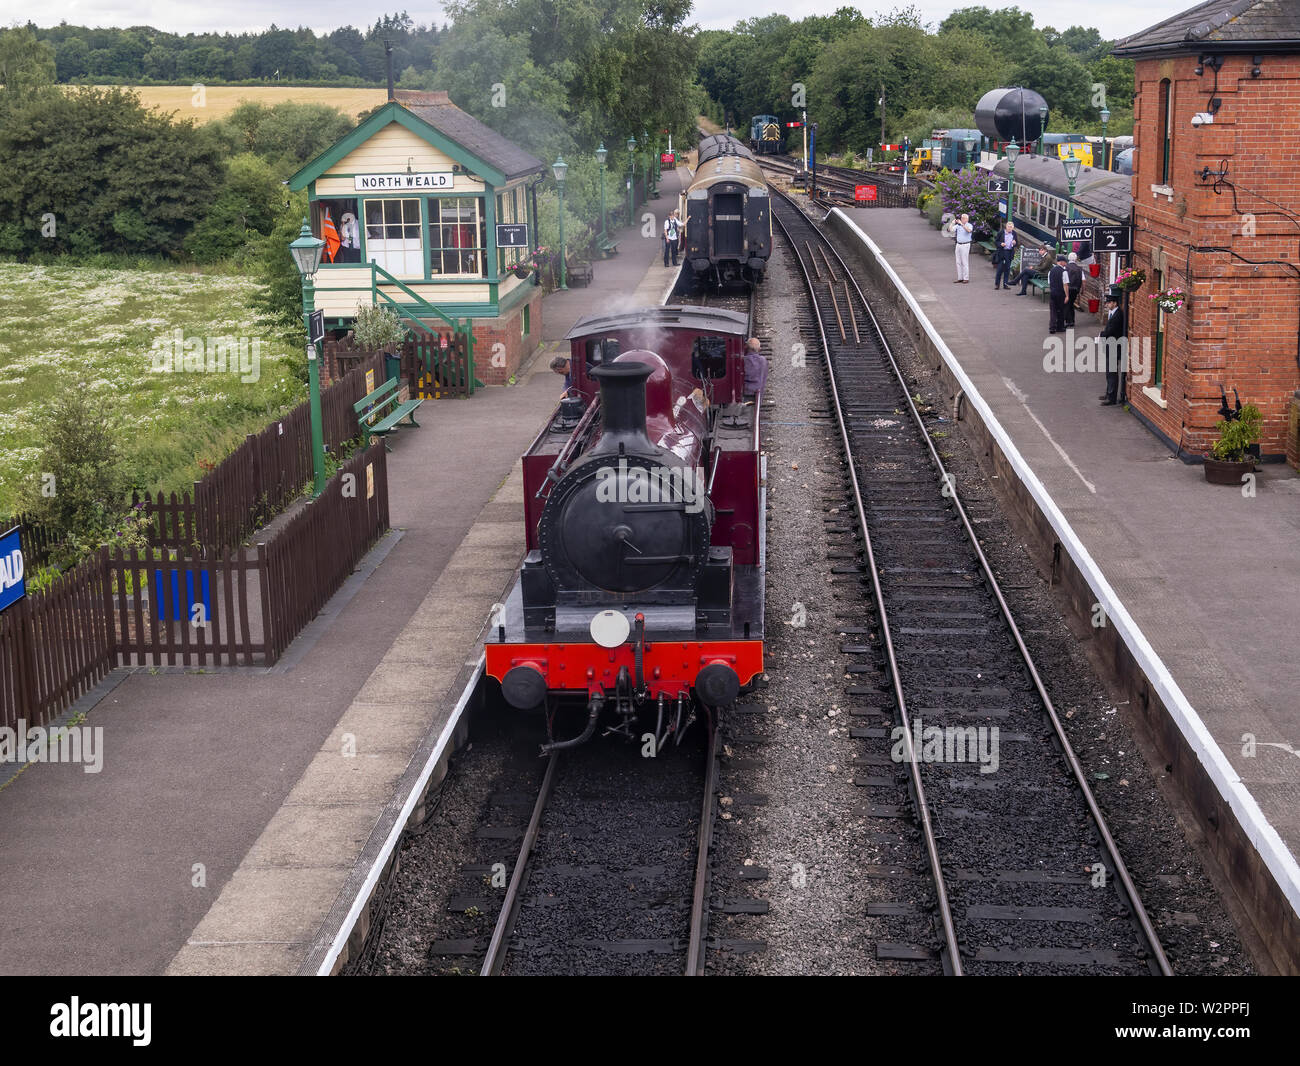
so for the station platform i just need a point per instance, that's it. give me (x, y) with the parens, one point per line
(1210, 574)
(227, 815)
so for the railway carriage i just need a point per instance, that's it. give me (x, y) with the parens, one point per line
(641, 594)
(727, 213)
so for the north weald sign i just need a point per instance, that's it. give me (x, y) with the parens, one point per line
(1078, 229)
(438, 179)
(13, 586)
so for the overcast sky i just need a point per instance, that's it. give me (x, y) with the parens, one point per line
(1113, 18)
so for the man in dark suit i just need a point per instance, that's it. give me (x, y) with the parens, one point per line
(1110, 347)
(1056, 295)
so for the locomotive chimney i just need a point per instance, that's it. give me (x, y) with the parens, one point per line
(622, 408)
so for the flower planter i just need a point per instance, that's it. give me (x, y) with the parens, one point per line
(1222, 472)
(1094, 270)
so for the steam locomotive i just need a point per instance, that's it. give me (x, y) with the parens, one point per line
(728, 214)
(641, 592)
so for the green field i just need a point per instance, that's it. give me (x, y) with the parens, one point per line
(95, 329)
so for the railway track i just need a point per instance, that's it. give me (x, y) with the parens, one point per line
(960, 742)
(613, 871)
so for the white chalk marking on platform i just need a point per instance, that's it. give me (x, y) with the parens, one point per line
(1024, 402)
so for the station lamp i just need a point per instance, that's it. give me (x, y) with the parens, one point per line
(1105, 144)
(560, 169)
(602, 153)
(1013, 153)
(307, 251)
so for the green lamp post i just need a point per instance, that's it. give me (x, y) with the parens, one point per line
(560, 168)
(1072, 168)
(1013, 153)
(631, 178)
(649, 167)
(601, 155)
(1042, 130)
(1105, 144)
(306, 252)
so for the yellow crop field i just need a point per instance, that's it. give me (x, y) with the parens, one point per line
(210, 102)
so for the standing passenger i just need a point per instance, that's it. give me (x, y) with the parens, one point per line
(962, 235)
(1004, 253)
(1074, 274)
(1056, 282)
(670, 237)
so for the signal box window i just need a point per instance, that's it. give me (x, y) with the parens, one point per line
(393, 237)
(458, 236)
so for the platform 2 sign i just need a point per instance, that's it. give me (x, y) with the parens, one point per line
(864, 192)
(512, 235)
(13, 587)
(999, 185)
(1114, 239)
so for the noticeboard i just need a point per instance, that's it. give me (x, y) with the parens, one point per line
(13, 586)
(864, 192)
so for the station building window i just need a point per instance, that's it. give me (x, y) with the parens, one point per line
(393, 239)
(1165, 117)
(1158, 371)
(334, 221)
(458, 236)
(510, 208)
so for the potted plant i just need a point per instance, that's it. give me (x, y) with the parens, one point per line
(1230, 456)
(1131, 279)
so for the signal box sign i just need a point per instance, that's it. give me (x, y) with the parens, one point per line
(864, 192)
(512, 235)
(12, 585)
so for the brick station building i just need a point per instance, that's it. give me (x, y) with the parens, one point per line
(1216, 213)
(415, 194)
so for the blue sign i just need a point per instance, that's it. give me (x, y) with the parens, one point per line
(12, 586)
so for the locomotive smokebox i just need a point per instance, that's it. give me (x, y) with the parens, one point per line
(622, 409)
(1010, 114)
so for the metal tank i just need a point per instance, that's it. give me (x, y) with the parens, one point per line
(1006, 114)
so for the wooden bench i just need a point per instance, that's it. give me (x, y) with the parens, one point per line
(987, 246)
(578, 271)
(606, 247)
(1041, 285)
(371, 410)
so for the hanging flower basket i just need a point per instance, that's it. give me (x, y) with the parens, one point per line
(522, 270)
(1131, 280)
(1170, 300)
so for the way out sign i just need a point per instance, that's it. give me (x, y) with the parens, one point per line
(1078, 229)
(864, 192)
(12, 586)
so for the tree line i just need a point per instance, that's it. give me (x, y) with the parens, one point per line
(144, 55)
(840, 66)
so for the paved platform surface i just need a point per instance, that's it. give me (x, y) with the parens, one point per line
(1211, 577)
(217, 833)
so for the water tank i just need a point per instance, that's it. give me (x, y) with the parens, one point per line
(1004, 114)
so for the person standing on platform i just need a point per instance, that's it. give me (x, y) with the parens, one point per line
(1005, 251)
(671, 234)
(1074, 278)
(1110, 347)
(962, 234)
(1056, 289)
(755, 369)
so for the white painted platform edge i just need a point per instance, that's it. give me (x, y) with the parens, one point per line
(1261, 833)
(399, 825)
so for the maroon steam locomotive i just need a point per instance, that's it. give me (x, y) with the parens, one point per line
(641, 593)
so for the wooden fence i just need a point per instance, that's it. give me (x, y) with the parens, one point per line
(436, 364)
(259, 477)
(188, 607)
